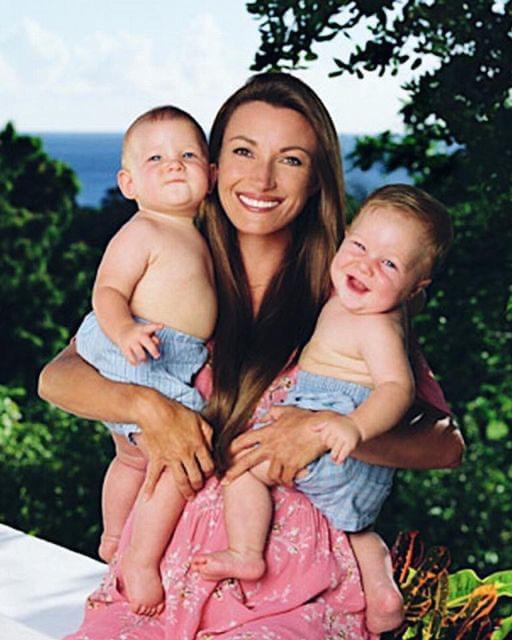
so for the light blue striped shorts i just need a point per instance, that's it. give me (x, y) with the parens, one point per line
(181, 357)
(350, 494)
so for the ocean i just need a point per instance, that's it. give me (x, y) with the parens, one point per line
(94, 157)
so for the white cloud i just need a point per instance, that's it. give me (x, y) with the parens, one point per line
(50, 50)
(9, 78)
(47, 45)
(104, 73)
(103, 79)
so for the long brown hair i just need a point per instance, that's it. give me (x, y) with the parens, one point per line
(250, 351)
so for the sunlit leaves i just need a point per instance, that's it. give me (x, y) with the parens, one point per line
(443, 606)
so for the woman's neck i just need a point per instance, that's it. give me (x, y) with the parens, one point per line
(262, 257)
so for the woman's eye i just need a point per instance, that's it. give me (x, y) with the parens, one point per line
(293, 161)
(358, 245)
(242, 151)
(390, 264)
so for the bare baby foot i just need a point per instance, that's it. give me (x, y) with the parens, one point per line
(384, 608)
(141, 584)
(108, 547)
(247, 565)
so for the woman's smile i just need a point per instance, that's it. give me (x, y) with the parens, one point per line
(259, 203)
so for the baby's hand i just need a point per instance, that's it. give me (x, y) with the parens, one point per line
(137, 340)
(341, 435)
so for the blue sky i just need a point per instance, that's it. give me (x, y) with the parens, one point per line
(77, 65)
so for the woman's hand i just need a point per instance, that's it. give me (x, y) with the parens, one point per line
(172, 434)
(289, 444)
(175, 437)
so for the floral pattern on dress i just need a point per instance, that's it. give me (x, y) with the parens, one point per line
(310, 591)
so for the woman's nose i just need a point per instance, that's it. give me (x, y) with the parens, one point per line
(264, 174)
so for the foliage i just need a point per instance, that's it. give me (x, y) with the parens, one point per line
(442, 606)
(460, 95)
(49, 251)
(467, 509)
(51, 463)
(36, 203)
(52, 466)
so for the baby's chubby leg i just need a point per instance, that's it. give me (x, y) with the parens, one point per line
(154, 521)
(247, 514)
(384, 602)
(121, 486)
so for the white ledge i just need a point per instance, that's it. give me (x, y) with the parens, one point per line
(43, 587)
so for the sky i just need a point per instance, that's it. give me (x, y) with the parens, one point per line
(94, 65)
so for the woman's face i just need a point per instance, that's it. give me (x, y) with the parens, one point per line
(265, 171)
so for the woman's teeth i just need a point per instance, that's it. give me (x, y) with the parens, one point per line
(258, 204)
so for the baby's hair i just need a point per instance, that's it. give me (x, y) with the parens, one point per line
(419, 205)
(166, 112)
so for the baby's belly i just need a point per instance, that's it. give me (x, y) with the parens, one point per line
(339, 368)
(192, 312)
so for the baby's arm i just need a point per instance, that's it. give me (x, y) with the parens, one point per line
(124, 263)
(381, 342)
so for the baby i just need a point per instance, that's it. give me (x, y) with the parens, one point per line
(154, 306)
(356, 364)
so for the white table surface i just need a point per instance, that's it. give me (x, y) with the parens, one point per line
(43, 587)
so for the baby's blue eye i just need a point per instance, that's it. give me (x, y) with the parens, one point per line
(390, 264)
(188, 155)
(155, 158)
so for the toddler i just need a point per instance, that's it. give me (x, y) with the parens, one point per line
(154, 306)
(355, 364)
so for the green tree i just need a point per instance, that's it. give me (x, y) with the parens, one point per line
(51, 465)
(49, 251)
(457, 145)
(37, 203)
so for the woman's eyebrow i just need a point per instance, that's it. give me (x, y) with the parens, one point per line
(244, 138)
(297, 147)
(294, 147)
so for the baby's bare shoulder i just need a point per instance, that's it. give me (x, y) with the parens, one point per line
(376, 328)
(137, 228)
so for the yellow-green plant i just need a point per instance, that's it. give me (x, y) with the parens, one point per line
(444, 606)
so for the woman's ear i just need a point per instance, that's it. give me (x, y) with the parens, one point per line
(213, 172)
(125, 184)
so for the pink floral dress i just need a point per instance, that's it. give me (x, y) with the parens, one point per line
(311, 590)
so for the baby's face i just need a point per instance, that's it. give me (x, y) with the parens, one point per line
(383, 261)
(166, 167)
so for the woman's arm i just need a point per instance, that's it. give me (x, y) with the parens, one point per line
(429, 442)
(290, 443)
(174, 435)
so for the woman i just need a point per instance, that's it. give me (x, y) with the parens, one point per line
(273, 223)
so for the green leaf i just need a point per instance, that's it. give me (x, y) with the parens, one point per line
(464, 582)
(504, 630)
(497, 430)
